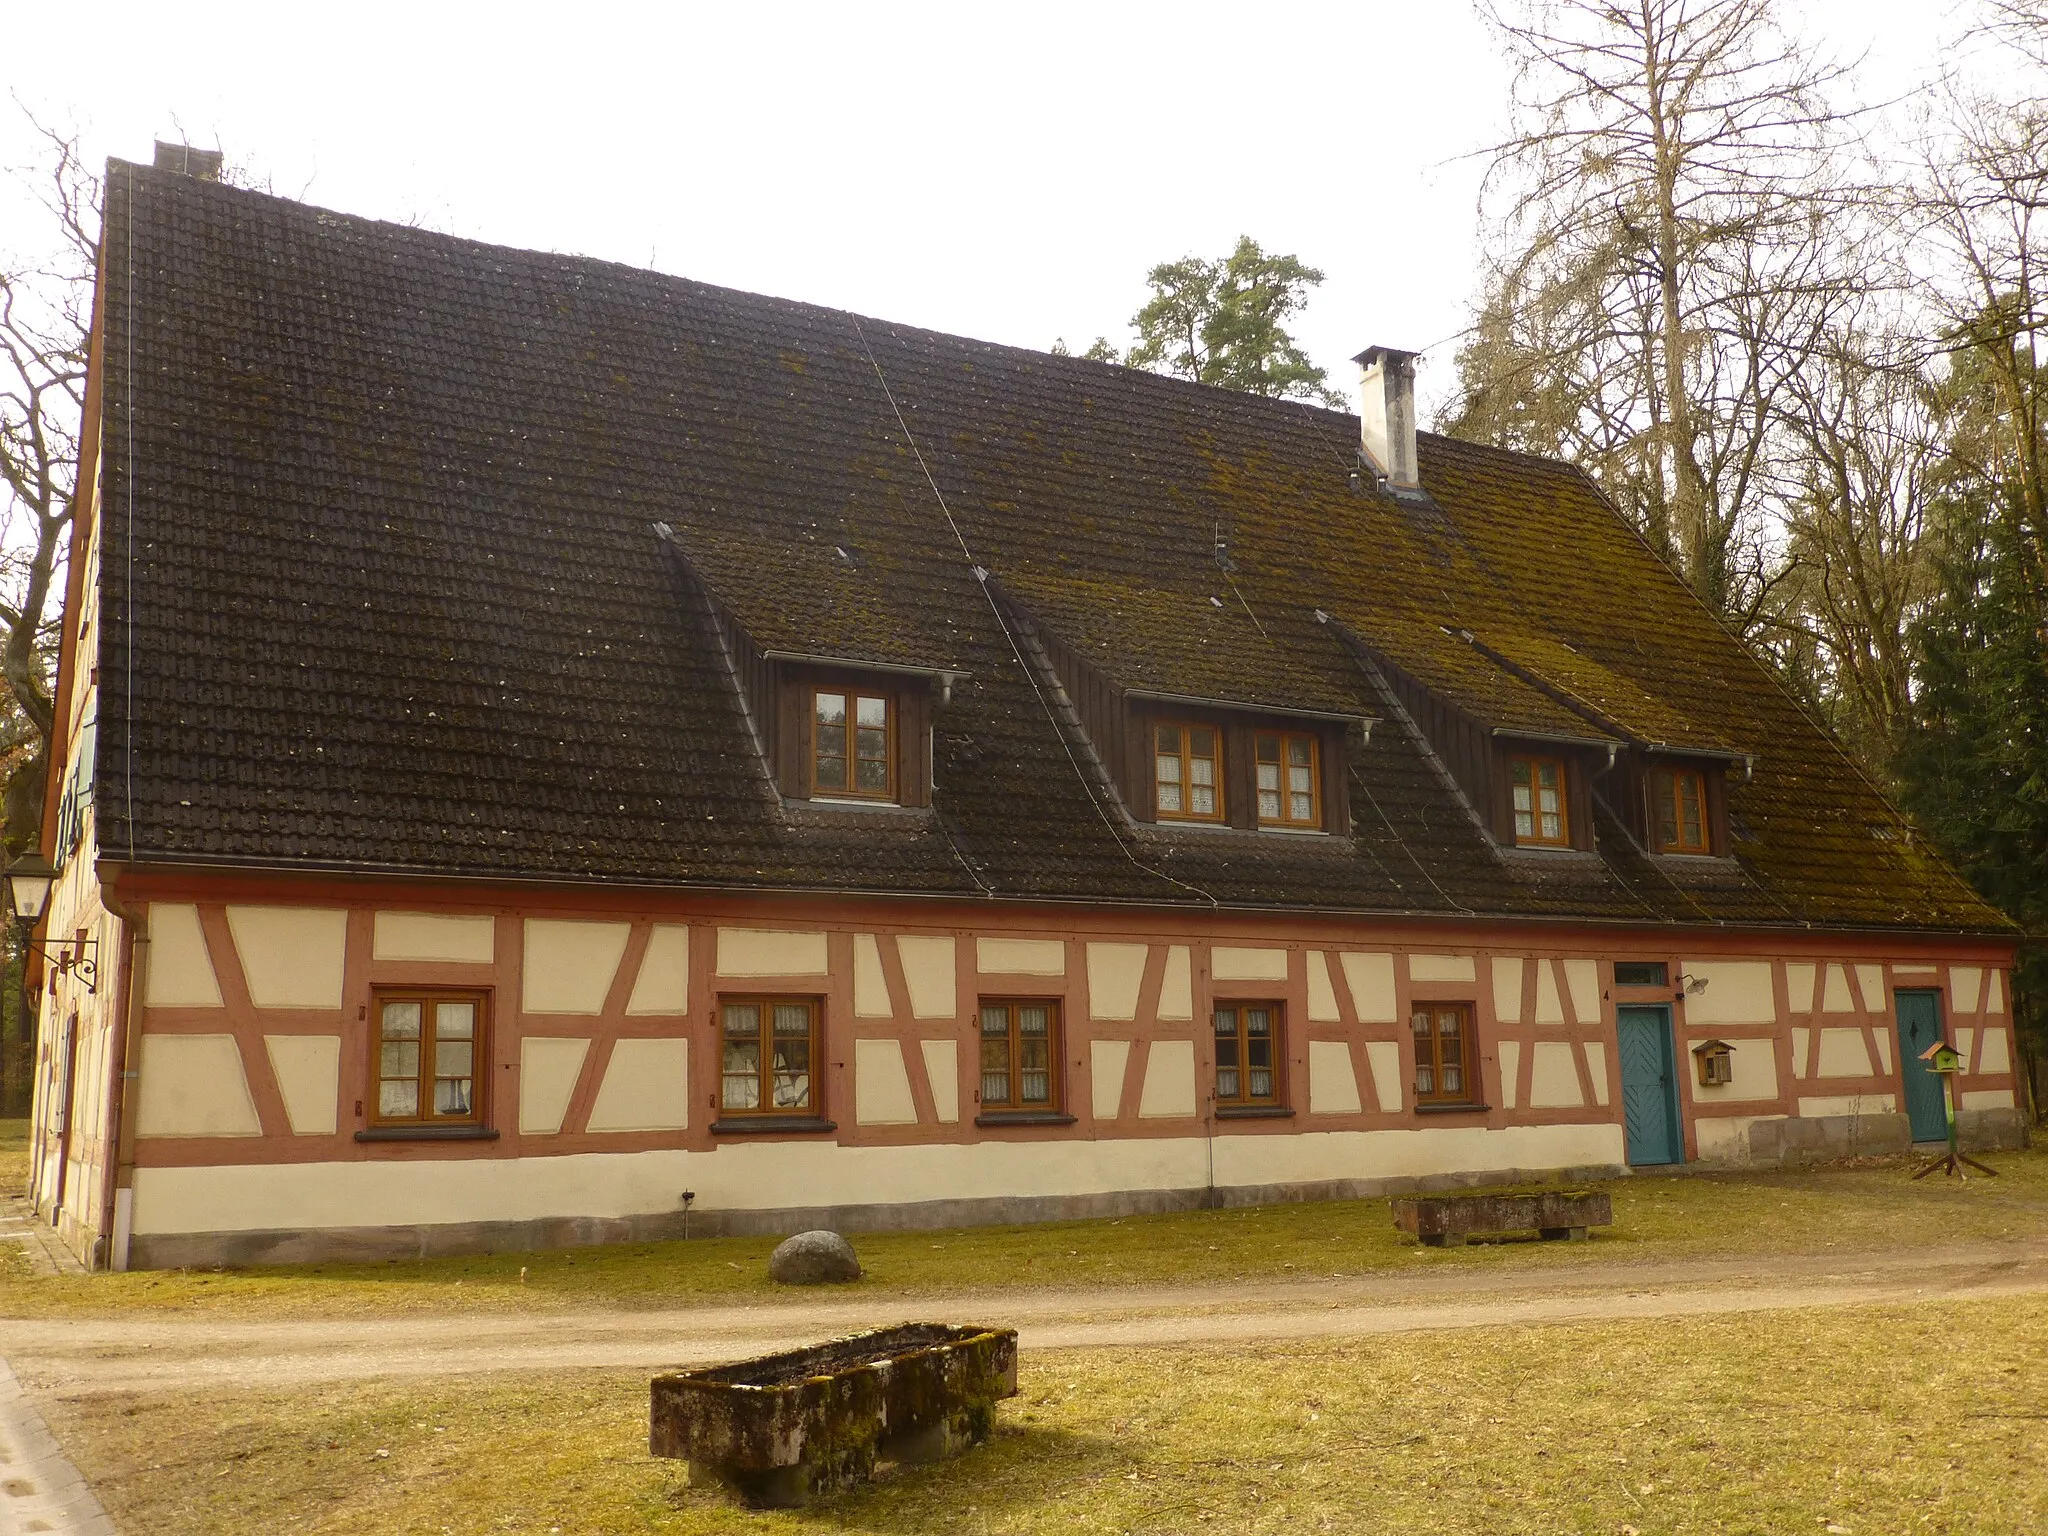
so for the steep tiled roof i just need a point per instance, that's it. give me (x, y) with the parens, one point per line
(398, 603)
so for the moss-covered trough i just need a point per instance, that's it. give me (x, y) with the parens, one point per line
(780, 1429)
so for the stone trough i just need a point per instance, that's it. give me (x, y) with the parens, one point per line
(781, 1429)
(1441, 1220)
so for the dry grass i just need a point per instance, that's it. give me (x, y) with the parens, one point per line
(1867, 1420)
(1875, 1205)
(13, 1156)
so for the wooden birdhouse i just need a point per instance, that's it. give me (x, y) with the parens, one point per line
(1942, 1057)
(1715, 1060)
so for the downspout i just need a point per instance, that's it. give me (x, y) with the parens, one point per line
(117, 1209)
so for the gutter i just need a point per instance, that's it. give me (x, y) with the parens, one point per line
(110, 871)
(117, 1201)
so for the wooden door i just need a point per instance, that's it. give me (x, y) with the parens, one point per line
(60, 1103)
(1649, 1086)
(1919, 1020)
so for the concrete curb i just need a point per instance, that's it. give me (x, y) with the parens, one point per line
(40, 1491)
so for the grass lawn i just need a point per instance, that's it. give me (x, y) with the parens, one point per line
(13, 1156)
(1873, 1205)
(1867, 1420)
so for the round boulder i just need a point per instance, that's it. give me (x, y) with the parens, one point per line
(813, 1258)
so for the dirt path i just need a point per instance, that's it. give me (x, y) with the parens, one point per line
(128, 1354)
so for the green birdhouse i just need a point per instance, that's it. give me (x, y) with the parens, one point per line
(1942, 1057)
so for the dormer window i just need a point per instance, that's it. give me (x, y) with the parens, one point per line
(1187, 772)
(1540, 793)
(1678, 810)
(853, 744)
(1288, 775)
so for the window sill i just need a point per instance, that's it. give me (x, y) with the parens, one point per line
(427, 1133)
(1453, 1109)
(1254, 1112)
(1023, 1117)
(763, 1125)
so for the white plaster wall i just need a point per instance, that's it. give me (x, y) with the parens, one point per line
(768, 1175)
(1232, 963)
(1383, 1057)
(881, 1084)
(1965, 1038)
(1507, 989)
(1169, 1090)
(930, 974)
(291, 956)
(568, 967)
(870, 983)
(1583, 978)
(1834, 997)
(194, 1085)
(1847, 1104)
(1843, 1054)
(1115, 974)
(1021, 957)
(770, 952)
(548, 1069)
(180, 970)
(1596, 1068)
(1107, 1061)
(1870, 982)
(1753, 1072)
(1510, 1074)
(1549, 1007)
(1371, 979)
(461, 938)
(308, 1072)
(1881, 1037)
(663, 985)
(1994, 1054)
(1177, 986)
(1965, 982)
(1737, 992)
(1987, 1098)
(646, 1087)
(1994, 1001)
(1801, 1039)
(1332, 1084)
(1322, 996)
(942, 1075)
(1440, 968)
(1799, 987)
(1554, 1076)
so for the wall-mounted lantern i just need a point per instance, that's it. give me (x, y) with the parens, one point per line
(29, 879)
(1715, 1060)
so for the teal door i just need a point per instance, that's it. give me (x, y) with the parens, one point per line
(1920, 1027)
(1649, 1086)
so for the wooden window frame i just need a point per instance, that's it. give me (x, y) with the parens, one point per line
(1467, 1096)
(764, 1107)
(479, 1078)
(1675, 778)
(1240, 1038)
(853, 693)
(1314, 821)
(1013, 1039)
(1536, 762)
(1221, 770)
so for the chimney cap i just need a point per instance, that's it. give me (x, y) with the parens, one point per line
(203, 164)
(1374, 354)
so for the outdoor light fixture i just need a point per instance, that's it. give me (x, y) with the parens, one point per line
(28, 886)
(1693, 986)
(28, 891)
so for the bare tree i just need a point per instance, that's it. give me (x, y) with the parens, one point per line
(1666, 257)
(45, 316)
(1863, 459)
(1982, 205)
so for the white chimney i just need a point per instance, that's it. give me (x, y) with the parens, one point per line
(1386, 414)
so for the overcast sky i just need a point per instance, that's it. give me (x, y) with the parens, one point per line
(1003, 172)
